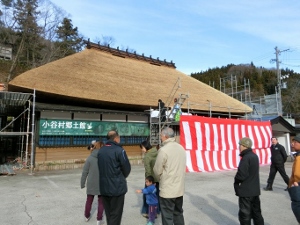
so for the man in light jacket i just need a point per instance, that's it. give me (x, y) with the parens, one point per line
(170, 169)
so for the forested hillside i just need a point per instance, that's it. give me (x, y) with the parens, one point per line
(262, 82)
(39, 32)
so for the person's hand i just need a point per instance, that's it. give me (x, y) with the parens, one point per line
(296, 184)
(138, 191)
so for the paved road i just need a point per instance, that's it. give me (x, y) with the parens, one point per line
(55, 198)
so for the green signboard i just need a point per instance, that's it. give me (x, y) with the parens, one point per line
(95, 128)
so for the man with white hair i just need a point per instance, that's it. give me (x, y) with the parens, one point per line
(169, 169)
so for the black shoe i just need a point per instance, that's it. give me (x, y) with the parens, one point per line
(268, 188)
(286, 188)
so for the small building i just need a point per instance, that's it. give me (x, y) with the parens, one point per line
(5, 51)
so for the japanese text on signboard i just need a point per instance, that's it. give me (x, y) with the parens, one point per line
(75, 127)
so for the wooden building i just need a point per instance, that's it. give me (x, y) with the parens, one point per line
(80, 97)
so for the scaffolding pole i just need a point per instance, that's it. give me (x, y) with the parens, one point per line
(27, 135)
(32, 155)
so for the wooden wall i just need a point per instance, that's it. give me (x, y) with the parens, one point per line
(70, 153)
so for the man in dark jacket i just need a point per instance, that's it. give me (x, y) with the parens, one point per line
(246, 185)
(278, 158)
(161, 107)
(114, 167)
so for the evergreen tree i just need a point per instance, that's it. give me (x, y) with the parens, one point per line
(28, 34)
(69, 41)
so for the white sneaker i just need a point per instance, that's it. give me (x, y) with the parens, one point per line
(100, 222)
(87, 219)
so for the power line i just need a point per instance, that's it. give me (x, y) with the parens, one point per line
(290, 65)
(262, 57)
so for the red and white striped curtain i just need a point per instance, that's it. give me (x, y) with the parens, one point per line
(212, 144)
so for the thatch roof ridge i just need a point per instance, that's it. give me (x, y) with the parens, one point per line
(102, 78)
(127, 54)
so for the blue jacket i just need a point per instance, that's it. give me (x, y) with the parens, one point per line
(151, 196)
(114, 167)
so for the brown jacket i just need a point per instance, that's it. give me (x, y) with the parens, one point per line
(295, 177)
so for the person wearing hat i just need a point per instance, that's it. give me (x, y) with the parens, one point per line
(294, 186)
(247, 185)
(278, 158)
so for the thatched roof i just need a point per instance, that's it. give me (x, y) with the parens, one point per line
(102, 79)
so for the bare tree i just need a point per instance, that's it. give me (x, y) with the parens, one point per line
(128, 49)
(105, 40)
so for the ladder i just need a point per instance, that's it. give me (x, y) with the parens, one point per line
(156, 124)
(154, 134)
(177, 105)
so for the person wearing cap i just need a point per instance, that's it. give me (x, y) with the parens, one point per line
(278, 158)
(90, 178)
(294, 186)
(114, 168)
(247, 185)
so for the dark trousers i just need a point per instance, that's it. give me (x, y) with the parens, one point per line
(163, 116)
(296, 210)
(145, 205)
(250, 209)
(171, 211)
(273, 170)
(295, 198)
(113, 206)
(152, 213)
(88, 207)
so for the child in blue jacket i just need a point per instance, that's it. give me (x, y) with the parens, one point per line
(151, 198)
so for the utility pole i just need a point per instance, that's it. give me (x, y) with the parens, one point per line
(279, 84)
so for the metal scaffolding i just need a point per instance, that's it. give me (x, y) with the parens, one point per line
(166, 113)
(262, 106)
(16, 104)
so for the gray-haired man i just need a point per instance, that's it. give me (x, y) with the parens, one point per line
(170, 168)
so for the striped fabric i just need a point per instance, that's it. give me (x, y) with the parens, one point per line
(212, 144)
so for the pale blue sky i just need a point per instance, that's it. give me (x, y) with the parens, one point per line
(195, 34)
